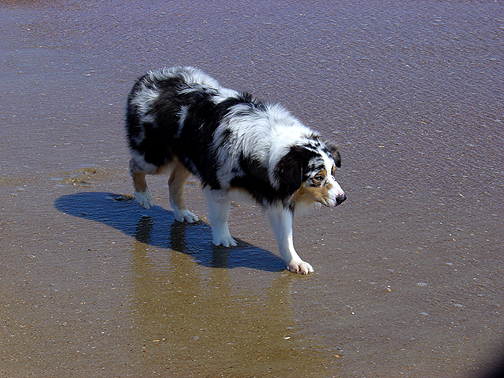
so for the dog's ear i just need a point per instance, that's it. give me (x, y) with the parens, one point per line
(289, 171)
(333, 149)
(337, 158)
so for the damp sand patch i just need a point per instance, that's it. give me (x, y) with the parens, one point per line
(80, 177)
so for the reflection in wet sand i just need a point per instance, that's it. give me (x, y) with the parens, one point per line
(199, 321)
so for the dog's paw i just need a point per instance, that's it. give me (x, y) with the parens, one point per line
(225, 241)
(185, 216)
(300, 267)
(144, 199)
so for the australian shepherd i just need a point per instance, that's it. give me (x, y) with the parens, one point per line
(181, 121)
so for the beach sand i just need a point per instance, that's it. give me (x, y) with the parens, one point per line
(408, 271)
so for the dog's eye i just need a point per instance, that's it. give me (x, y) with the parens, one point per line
(318, 179)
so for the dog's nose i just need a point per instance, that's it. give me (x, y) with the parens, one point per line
(340, 199)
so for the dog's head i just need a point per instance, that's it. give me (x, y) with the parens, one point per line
(306, 173)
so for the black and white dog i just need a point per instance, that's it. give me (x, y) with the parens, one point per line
(181, 121)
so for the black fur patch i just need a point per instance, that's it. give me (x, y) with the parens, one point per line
(292, 169)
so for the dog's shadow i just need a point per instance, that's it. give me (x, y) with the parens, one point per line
(157, 227)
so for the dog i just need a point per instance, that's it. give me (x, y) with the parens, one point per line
(181, 121)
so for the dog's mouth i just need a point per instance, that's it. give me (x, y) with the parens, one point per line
(337, 201)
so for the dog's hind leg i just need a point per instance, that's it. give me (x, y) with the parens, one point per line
(142, 192)
(219, 205)
(176, 183)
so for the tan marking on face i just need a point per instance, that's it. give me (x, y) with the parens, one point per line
(310, 194)
(323, 173)
(333, 170)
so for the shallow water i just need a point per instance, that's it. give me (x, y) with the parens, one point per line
(408, 271)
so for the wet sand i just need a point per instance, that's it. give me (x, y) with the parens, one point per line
(408, 271)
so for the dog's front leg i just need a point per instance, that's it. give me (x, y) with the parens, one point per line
(219, 205)
(281, 222)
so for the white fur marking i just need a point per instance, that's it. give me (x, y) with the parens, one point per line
(219, 204)
(182, 117)
(184, 215)
(336, 190)
(264, 135)
(141, 164)
(281, 222)
(144, 199)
